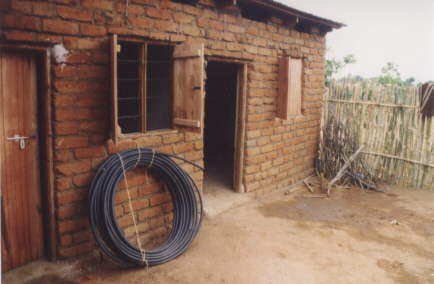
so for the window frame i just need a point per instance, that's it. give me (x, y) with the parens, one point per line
(142, 94)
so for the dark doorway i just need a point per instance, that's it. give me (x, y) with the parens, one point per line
(220, 124)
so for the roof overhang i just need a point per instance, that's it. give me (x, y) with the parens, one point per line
(265, 10)
(292, 18)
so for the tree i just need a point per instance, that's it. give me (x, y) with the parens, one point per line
(391, 76)
(333, 66)
(410, 81)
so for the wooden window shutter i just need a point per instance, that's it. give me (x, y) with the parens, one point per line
(290, 87)
(188, 86)
(114, 87)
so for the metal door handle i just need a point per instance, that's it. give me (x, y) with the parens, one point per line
(20, 139)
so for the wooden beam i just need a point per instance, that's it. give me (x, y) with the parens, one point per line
(24, 46)
(49, 158)
(227, 59)
(240, 128)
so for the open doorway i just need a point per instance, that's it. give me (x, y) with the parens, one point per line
(220, 125)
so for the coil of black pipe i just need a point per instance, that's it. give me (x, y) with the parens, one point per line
(186, 198)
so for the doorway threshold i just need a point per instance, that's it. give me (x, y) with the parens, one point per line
(44, 271)
(221, 200)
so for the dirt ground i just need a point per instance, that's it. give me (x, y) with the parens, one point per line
(294, 237)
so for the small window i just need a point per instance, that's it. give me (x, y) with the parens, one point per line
(155, 86)
(144, 86)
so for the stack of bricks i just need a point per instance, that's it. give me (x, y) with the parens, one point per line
(277, 152)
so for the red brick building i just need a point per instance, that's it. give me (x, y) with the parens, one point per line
(233, 85)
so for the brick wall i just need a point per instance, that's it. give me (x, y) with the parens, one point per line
(152, 209)
(277, 152)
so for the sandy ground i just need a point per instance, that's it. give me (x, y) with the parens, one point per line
(293, 237)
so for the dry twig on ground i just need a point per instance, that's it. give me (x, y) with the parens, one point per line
(307, 184)
(341, 172)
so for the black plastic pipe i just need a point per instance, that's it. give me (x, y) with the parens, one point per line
(186, 198)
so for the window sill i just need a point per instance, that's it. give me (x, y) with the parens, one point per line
(136, 135)
(291, 119)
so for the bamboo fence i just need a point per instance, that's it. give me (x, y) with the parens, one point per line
(398, 142)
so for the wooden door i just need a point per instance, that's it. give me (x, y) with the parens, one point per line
(22, 234)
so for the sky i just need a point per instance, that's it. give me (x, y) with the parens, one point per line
(377, 32)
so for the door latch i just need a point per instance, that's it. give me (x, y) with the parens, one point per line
(20, 139)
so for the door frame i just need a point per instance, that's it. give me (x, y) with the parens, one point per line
(240, 118)
(45, 129)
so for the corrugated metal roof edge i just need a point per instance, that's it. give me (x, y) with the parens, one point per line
(294, 12)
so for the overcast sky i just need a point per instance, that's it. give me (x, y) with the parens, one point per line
(377, 32)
